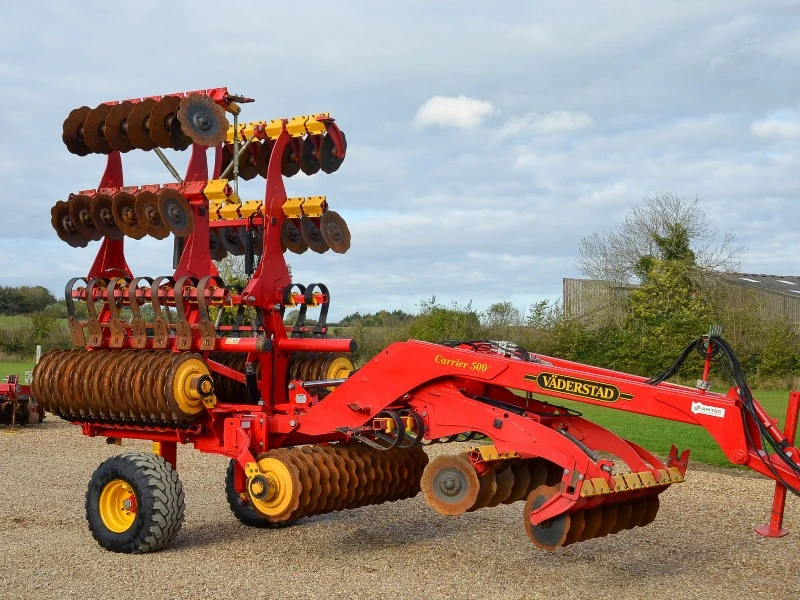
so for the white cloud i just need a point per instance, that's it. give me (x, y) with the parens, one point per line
(781, 125)
(557, 121)
(453, 111)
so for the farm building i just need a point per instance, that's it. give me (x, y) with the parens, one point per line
(772, 295)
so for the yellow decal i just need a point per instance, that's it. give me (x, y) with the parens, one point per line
(478, 367)
(581, 388)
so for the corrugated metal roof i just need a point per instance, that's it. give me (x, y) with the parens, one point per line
(782, 284)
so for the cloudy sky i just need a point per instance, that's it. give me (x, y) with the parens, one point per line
(485, 138)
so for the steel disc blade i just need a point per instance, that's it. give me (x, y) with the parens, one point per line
(203, 120)
(262, 157)
(312, 235)
(231, 240)
(161, 119)
(103, 217)
(147, 214)
(593, 519)
(217, 250)
(116, 129)
(290, 159)
(624, 512)
(488, 489)
(138, 125)
(72, 132)
(335, 231)
(505, 483)
(292, 238)
(227, 159)
(94, 129)
(538, 470)
(247, 164)
(522, 479)
(65, 229)
(639, 507)
(309, 154)
(123, 207)
(80, 211)
(577, 522)
(176, 212)
(609, 519)
(329, 158)
(651, 511)
(178, 140)
(549, 534)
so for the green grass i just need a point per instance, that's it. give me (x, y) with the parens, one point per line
(13, 320)
(15, 368)
(657, 435)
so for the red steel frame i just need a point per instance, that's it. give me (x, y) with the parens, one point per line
(453, 389)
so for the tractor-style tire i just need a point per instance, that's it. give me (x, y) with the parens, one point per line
(243, 510)
(134, 503)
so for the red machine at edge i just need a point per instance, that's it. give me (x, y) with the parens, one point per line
(306, 433)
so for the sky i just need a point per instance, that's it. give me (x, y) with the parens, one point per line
(485, 139)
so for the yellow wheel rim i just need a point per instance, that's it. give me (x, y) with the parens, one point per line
(117, 505)
(283, 489)
(186, 397)
(340, 368)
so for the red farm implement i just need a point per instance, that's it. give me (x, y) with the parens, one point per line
(184, 358)
(17, 405)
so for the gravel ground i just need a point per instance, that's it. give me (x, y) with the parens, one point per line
(700, 546)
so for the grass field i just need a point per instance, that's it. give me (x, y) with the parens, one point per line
(15, 368)
(658, 435)
(13, 320)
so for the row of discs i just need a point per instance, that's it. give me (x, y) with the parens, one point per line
(171, 122)
(329, 232)
(315, 153)
(452, 486)
(83, 218)
(231, 240)
(322, 479)
(610, 517)
(227, 390)
(112, 386)
(313, 366)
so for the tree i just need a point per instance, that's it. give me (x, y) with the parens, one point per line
(661, 227)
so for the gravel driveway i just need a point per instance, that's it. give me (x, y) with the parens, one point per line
(700, 546)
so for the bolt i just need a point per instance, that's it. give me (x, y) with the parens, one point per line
(740, 457)
(126, 504)
(276, 307)
(260, 444)
(293, 423)
(566, 471)
(424, 413)
(261, 421)
(251, 298)
(364, 380)
(291, 386)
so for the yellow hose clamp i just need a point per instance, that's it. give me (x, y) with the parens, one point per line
(274, 129)
(314, 206)
(293, 207)
(250, 207)
(316, 127)
(214, 207)
(296, 127)
(230, 211)
(217, 189)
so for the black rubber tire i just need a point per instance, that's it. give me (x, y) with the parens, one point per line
(242, 510)
(159, 499)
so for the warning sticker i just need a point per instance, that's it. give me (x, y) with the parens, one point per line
(699, 408)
